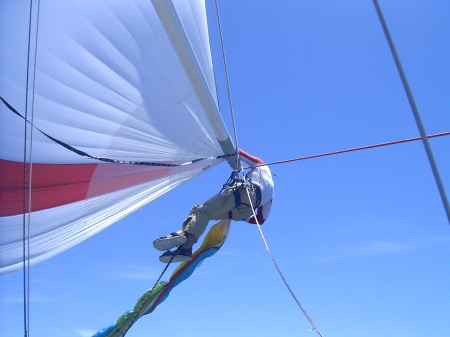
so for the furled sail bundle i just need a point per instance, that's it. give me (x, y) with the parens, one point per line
(105, 106)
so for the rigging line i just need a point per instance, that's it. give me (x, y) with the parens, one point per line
(355, 149)
(414, 110)
(30, 180)
(225, 70)
(26, 185)
(279, 270)
(136, 312)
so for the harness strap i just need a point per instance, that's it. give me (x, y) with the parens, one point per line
(237, 202)
(237, 198)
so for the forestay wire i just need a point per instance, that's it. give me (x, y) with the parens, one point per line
(414, 109)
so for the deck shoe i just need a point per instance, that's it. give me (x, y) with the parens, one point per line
(178, 255)
(169, 241)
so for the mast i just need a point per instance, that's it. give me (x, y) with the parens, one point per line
(174, 28)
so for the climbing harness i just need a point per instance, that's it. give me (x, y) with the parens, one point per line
(235, 182)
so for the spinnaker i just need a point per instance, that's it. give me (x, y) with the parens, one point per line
(106, 79)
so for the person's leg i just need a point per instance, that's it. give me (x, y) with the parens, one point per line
(197, 221)
(219, 207)
(243, 210)
(195, 225)
(190, 240)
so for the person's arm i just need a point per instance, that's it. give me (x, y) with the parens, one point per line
(249, 159)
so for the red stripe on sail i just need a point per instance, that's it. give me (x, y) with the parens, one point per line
(60, 184)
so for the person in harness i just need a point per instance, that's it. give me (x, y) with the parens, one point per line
(231, 203)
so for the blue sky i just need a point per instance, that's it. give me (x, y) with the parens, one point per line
(362, 237)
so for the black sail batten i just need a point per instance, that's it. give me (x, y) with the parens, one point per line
(108, 160)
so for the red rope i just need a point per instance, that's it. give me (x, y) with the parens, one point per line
(359, 148)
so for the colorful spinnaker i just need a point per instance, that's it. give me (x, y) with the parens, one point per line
(113, 106)
(153, 297)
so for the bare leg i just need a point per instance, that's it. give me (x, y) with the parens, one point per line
(190, 239)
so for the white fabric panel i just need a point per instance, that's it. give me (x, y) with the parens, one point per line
(57, 229)
(108, 82)
(193, 17)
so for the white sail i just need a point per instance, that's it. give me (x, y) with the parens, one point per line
(104, 79)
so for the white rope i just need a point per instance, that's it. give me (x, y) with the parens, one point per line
(278, 269)
(219, 29)
(225, 70)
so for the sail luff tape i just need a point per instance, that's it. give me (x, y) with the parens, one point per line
(180, 42)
